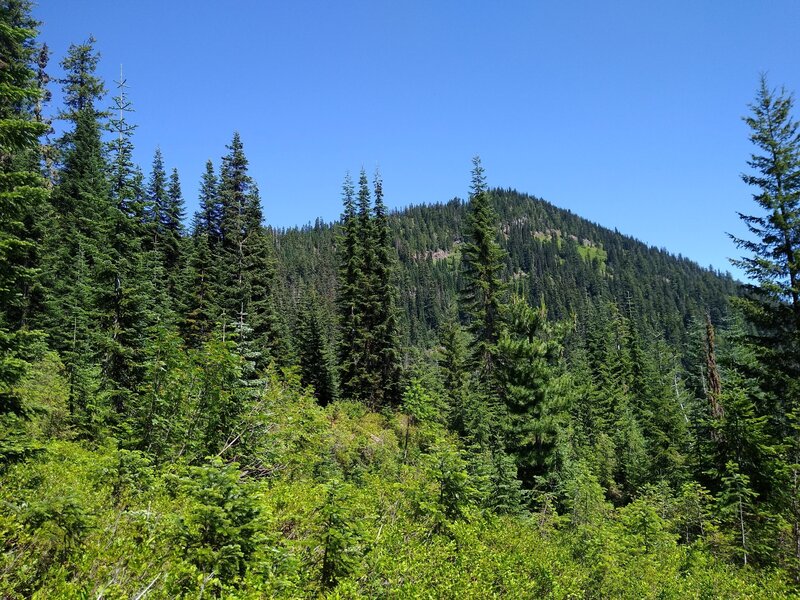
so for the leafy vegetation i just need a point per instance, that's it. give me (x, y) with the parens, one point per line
(491, 398)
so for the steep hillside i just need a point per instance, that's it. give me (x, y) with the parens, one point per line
(553, 254)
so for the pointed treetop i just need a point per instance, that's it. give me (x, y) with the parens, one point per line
(478, 177)
(364, 197)
(378, 185)
(348, 196)
(81, 86)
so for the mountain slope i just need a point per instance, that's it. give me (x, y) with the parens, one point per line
(553, 254)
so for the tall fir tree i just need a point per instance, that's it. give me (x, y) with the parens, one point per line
(772, 305)
(773, 259)
(199, 297)
(525, 355)
(315, 350)
(79, 267)
(157, 239)
(347, 293)
(247, 293)
(369, 347)
(124, 309)
(174, 238)
(482, 259)
(208, 219)
(385, 326)
(22, 195)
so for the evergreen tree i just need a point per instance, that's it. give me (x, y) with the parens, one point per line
(199, 297)
(524, 356)
(174, 233)
(81, 87)
(367, 381)
(754, 417)
(369, 346)
(455, 377)
(22, 193)
(235, 189)
(248, 296)
(384, 321)
(204, 272)
(347, 293)
(773, 261)
(314, 349)
(208, 219)
(482, 259)
(124, 310)
(79, 267)
(158, 238)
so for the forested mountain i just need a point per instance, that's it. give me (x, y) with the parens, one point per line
(477, 399)
(551, 255)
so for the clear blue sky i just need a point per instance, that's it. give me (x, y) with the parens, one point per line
(627, 113)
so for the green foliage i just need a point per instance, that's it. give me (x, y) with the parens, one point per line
(22, 196)
(315, 350)
(215, 530)
(452, 494)
(369, 352)
(525, 359)
(338, 537)
(482, 259)
(169, 438)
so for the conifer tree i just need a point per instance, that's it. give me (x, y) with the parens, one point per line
(773, 260)
(367, 377)
(199, 299)
(203, 268)
(208, 219)
(482, 259)
(81, 87)
(524, 359)
(347, 293)
(772, 305)
(384, 326)
(455, 377)
(369, 347)
(314, 349)
(247, 297)
(124, 310)
(79, 267)
(22, 193)
(174, 234)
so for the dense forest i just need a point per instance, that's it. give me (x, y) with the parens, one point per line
(489, 397)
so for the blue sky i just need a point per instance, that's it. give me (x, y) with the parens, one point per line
(627, 113)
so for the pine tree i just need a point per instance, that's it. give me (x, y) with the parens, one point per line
(78, 267)
(81, 87)
(248, 295)
(482, 259)
(174, 238)
(369, 347)
(314, 348)
(22, 192)
(199, 297)
(204, 271)
(156, 244)
(124, 309)
(208, 219)
(524, 356)
(347, 293)
(384, 321)
(367, 381)
(455, 377)
(753, 418)
(773, 261)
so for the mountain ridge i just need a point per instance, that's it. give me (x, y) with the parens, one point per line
(552, 254)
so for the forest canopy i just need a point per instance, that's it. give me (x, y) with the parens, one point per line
(485, 397)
